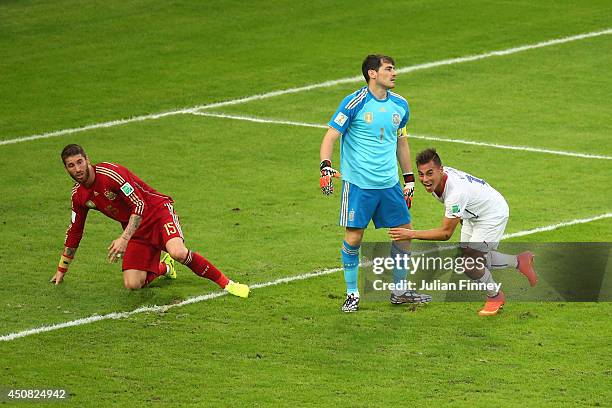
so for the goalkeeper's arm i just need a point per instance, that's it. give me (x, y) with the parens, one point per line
(403, 156)
(64, 263)
(327, 172)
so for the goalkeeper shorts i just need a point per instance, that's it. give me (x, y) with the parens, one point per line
(386, 207)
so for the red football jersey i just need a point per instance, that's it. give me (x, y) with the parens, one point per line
(117, 193)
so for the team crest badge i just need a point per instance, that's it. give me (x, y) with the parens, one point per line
(110, 195)
(368, 117)
(396, 119)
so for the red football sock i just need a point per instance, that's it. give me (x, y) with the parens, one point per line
(163, 268)
(152, 276)
(202, 267)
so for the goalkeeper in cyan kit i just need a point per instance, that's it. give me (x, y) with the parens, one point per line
(371, 123)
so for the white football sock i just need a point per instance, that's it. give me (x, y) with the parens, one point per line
(488, 278)
(497, 260)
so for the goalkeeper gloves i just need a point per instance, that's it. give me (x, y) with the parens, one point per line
(408, 188)
(327, 173)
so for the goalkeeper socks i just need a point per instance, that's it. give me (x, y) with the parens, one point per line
(497, 260)
(202, 267)
(399, 272)
(350, 261)
(488, 279)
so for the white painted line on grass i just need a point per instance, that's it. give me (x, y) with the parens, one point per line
(213, 295)
(260, 120)
(414, 136)
(556, 226)
(115, 315)
(95, 126)
(156, 309)
(511, 147)
(412, 68)
(325, 84)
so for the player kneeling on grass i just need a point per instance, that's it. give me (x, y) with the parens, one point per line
(483, 212)
(149, 223)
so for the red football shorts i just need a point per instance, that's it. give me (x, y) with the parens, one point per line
(145, 246)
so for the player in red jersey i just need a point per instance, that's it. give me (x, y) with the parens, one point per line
(149, 223)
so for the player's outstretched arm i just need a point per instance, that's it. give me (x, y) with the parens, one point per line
(64, 263)
(443, 233)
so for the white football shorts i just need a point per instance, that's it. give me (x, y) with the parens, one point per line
(483, 236)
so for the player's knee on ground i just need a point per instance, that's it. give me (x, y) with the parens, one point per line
(133, 282)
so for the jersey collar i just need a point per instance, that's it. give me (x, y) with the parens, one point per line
(375, 98)
(444, 179)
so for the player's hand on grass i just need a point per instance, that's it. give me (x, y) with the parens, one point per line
(408, 188)
(117, 249)
(327, 174)
(400, 234)
(57, 278)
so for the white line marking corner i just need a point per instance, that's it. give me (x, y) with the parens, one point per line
(325, 84)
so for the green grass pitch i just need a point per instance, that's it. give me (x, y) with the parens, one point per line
(248, 199)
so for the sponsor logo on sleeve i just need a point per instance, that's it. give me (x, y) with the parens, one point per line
(127, 189)
(455, 209)
(73, 217)
(340, 119)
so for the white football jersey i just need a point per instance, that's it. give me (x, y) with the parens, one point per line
(469, 197)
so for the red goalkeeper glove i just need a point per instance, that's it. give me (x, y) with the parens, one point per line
(327, 174)
(408, 188)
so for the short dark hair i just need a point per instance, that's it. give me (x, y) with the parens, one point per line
(374, 61)
(428, 155)
(72, 150)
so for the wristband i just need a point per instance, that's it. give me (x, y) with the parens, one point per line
(64, 263)
(408, 177)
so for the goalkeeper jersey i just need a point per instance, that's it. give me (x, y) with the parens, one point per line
(370, 128)
(117, 193)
